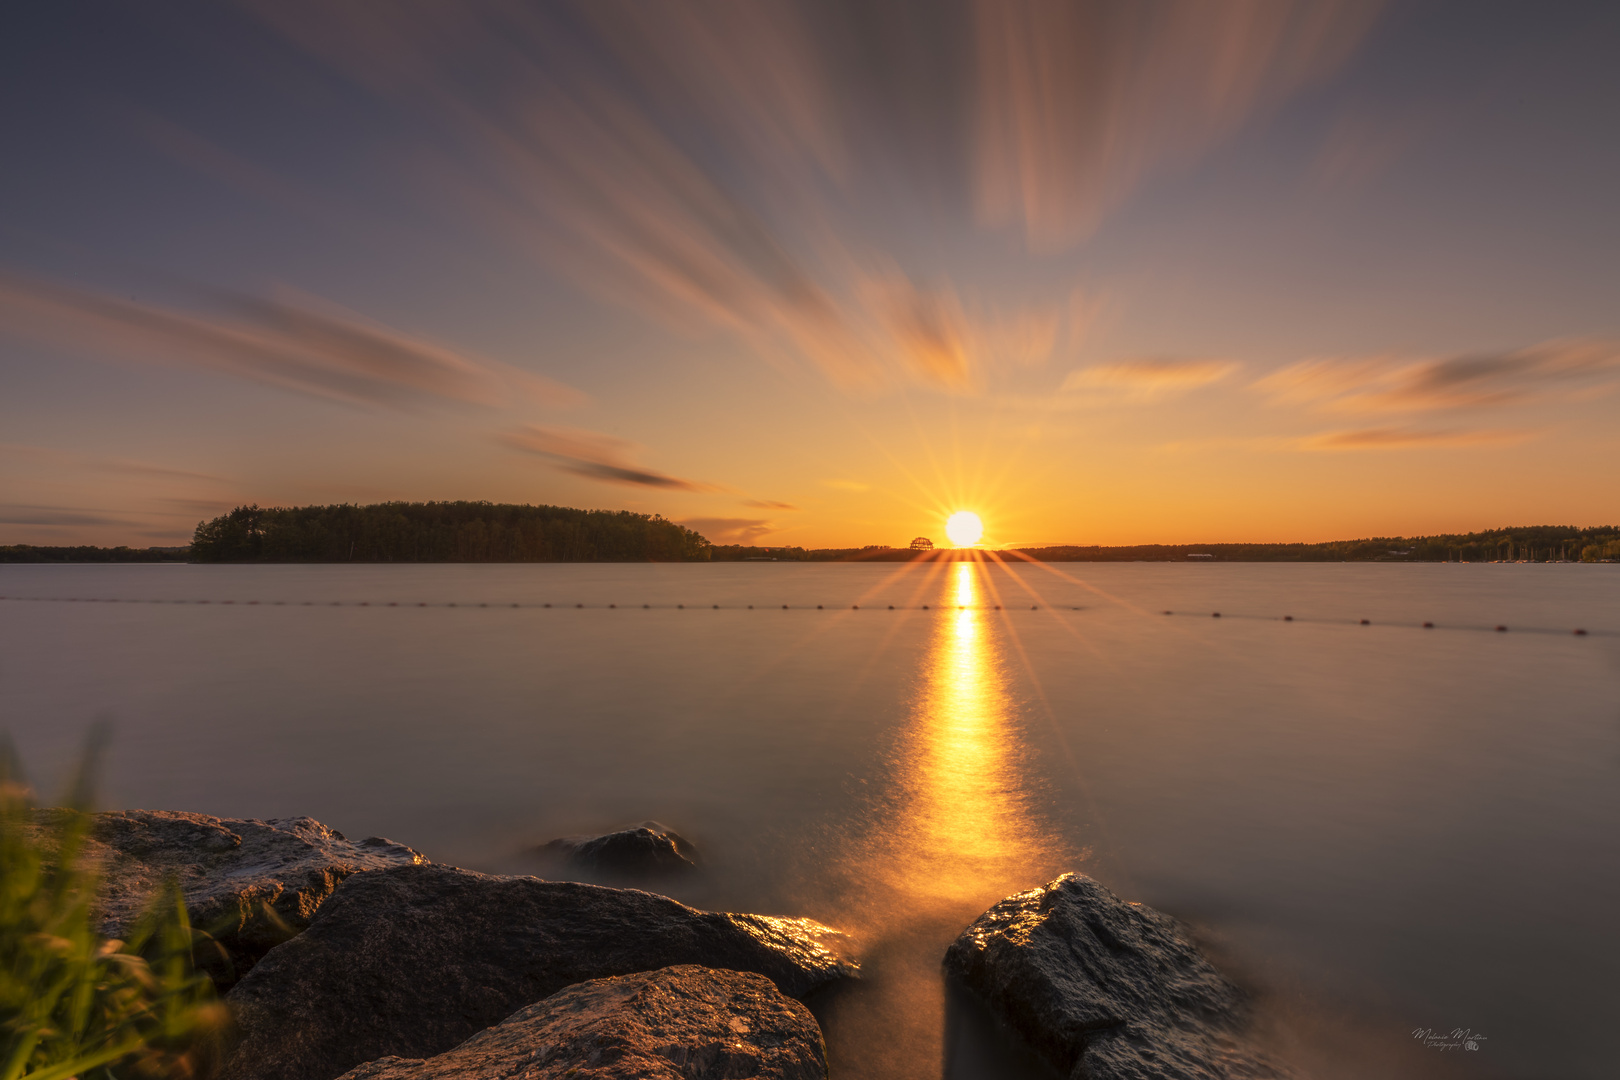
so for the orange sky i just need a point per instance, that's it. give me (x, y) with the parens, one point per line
(816, 274)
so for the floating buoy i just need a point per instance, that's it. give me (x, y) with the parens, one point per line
(1428, 626)
(891, 607)
(1288, 618)
(1580, 633)
(579, 605)
(612, 606)
(545, 605)
(717, 607)
(1215, 615)
(680, 607)
(784, 607)
(1366, 622)
(1501, 629)
(819, 607)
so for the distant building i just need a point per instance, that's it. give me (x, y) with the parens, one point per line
(922, 543)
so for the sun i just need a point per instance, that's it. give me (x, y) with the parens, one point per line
(964, 528)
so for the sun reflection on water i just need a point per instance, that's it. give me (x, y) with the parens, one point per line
(956, 834)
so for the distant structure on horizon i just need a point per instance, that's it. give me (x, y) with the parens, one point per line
(922, 543)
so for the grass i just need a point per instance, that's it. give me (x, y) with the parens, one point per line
(76, 1004)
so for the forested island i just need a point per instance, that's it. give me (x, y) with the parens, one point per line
(505, 533)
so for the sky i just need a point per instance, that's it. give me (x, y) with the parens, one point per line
(814, 274)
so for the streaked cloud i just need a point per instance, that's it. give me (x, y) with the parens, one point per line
(712, 165)
(293, 344)
(729, 530)
(596, 456)
(767, 504)
(1470, 381)
(1077, 103)
(16, 514)
(1146, 378)
(47, 455)
(1403, 438)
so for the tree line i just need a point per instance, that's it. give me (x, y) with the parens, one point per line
(442, 532)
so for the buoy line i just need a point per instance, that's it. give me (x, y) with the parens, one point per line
(1428, 625)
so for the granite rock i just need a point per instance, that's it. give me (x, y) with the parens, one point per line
(411, 961)
(1108, 990)
(251, 883)
(648, 850)
(677, 1023)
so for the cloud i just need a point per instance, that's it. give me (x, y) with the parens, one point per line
(124, 466)
(15, 514)
(767, 504)
(1473, 381)
(1079, 102)
(1403, 438)
(729, 530)
(1145, 378)
(294, 345)
(712, 165)
(594, 455)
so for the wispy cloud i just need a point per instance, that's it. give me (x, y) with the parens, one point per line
(730, 530)
(767, 504)
(1145, 378)
(1472, 381)
(1078, 102)
(15, 514)
(47, 455)
(293, 344)
(707, 163)
(595, 455)
(1403, 438)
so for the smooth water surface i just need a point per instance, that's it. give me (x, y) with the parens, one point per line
(1379, 827)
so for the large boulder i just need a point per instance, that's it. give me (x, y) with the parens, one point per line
(1108, 990)
(677, 1023)
(410, 961)
(648, 850)
(251, 883)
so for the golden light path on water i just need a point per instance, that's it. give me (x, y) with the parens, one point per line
(955, 836)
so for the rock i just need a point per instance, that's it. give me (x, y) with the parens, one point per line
(251, 883)
(645, 850)
(1107, 990)
(410, 961)
(672, 1024)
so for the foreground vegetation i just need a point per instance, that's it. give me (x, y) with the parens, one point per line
(72, 1003)
(443, 532)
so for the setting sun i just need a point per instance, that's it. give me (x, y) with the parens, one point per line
(964, 528)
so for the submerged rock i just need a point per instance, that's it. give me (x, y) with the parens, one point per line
(251, 883)
(411, 961)
(645, 850)
(676, 1023)
(1108, 990)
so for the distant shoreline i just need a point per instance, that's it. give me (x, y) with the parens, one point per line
(1387, 551)
(482, 532)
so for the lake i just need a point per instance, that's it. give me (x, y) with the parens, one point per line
(1379, 827)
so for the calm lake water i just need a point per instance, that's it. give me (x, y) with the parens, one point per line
(1380, 827)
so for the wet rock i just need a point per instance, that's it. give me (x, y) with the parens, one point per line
(1108, 990)
(251, 883)
(647, 850)
(678, 1023)
(411, 961)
